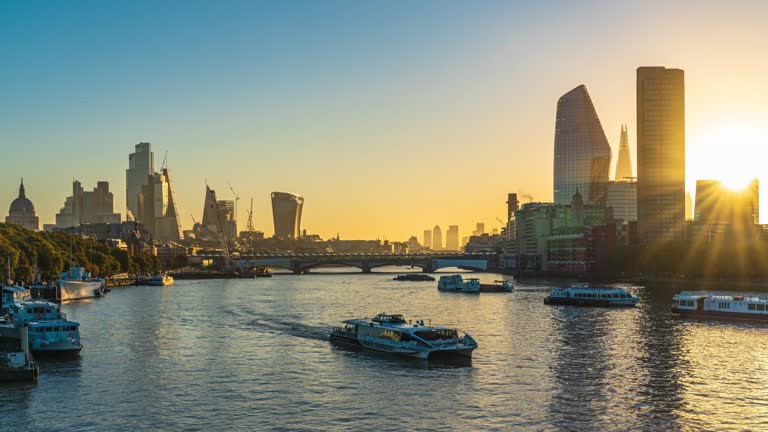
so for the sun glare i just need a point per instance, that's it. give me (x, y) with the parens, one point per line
(730, 151)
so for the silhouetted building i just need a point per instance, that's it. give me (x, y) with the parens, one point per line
(452, 238)
(479, 229)
(688, 206)
(218, 217)
(437, 238)
(428, 239)
(716, 204)
(624, 162)
(93, 207)
(622, 200)
(140, 167)
(582, 152)
(512, 205)
(286, 212)
(660, 154)
(22, 211)
(157, 208)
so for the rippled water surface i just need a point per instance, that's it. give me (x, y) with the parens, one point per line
(253, 355)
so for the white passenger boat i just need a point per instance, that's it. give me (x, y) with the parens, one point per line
(455, 283)
(720, 304)
(392, 334)
(585, 295)
(77, 284)
(50, 333)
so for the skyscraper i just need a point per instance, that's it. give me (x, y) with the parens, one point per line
(452, 238)
(479, 228)
(286, 213)
(157, 208)
(437, 238)
(428, 239)
(622, 199)
(660, 154)
(219, 216)
(83, 207)
(624, 162)
(582, 152)
(141, 166)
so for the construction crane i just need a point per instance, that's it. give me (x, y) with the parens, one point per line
(194, 222)
(249, 227)
(237, 198)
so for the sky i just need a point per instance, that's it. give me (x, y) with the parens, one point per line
(389, 117)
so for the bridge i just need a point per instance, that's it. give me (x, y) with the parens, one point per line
(303, 263)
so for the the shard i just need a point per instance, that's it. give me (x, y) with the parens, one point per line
(624, 163)
(582, 152)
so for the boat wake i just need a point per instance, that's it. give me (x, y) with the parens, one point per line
(291, 328)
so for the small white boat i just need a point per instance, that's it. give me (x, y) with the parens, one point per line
(585, 295)
(455, 283)
(392, 334)
(720, 304)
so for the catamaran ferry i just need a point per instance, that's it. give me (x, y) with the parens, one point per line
(585, 295)
(720, 304)
(392, 334)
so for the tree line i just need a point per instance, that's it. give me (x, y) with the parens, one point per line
(53, 252)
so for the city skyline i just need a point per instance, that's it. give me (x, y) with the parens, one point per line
(458, 105)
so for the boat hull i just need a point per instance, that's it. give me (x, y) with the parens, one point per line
(78, 290)
(719, 315)
(26, 374)
(558, 301)
(60, 354)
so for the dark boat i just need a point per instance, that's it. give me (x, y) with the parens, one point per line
(414, 277)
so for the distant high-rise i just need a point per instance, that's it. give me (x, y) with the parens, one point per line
(660, 154)
(141, 166)
(219, 215)
(452, 238)
(582, 152)
(91, 207)
(624, 162)
(622, 199)
(716, 204)
(157, 208)
(286, 213)
(512, 205)
(437, 238)
(428, 239)
(479, 229)
(22, 211)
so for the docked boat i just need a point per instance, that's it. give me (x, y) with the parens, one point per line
(77, 284)
(585, 295)
(719, 304)
(497, 286)
(455, 283)
(157, 280)
(51, 335)
(414, 277)
(13, 294)
(16, 362)
(392, 334)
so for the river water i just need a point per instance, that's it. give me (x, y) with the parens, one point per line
(253, 355)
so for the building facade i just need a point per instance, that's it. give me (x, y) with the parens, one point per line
(22, 211)
(660, 154)
(452, 238)
(286, 214)
(88, 207)
(140, 167)
(437, 238)
(582, 152)
(428, 239)
(157, 208)
(622, 200)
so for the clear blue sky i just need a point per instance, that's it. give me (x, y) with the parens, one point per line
(388, 116)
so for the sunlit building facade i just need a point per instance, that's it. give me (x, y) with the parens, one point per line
(140, 167)
(157, 208)
(88, 207)
(624, 161)
(660, 154)
(452, 238)
(286, 213)
(582, 152)
(22, 211)
(437, 238)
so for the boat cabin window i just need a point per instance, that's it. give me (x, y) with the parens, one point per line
(724, 305)
(761, 307)
(437, 334)
(751, 306)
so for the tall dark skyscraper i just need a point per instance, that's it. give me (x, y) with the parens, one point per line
(582, 152)
(286, 213)
(624, 162)
(716, 204)
(660, 154)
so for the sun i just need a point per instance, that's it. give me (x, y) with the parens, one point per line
(730, 150)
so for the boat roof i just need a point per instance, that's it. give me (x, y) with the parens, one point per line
(384, 320)
(14, 288)
(56, 322)
(591, 288)
(723, 295)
